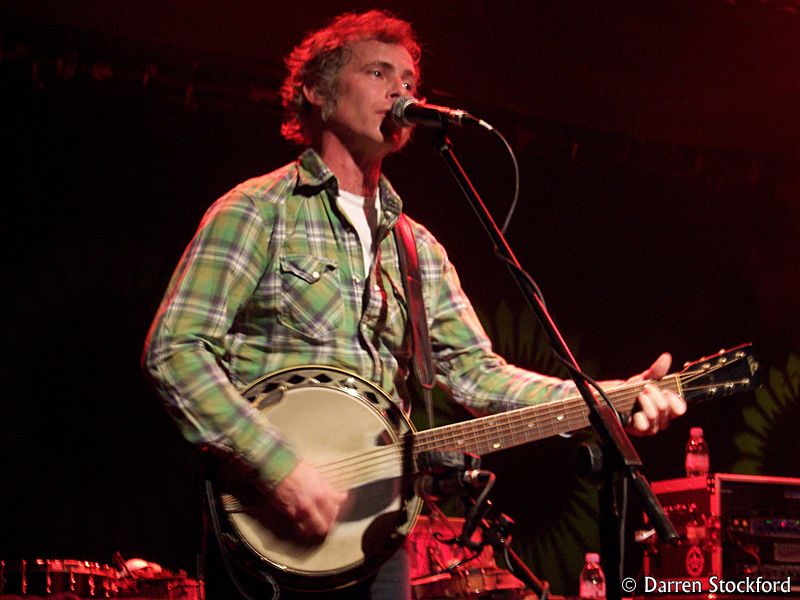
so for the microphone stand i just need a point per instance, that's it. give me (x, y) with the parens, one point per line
(441, 467)
(619, 455)
(496, 532)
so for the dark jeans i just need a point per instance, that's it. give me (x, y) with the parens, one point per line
(391, 582)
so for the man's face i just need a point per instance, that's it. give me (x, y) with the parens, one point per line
(376, 74)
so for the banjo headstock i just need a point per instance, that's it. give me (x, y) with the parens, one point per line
(723, 374)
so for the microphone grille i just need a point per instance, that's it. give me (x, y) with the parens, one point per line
(399, 109)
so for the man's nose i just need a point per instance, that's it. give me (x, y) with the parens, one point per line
(397, 87)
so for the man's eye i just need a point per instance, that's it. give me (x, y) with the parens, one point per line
(377, 73)
(408, 86)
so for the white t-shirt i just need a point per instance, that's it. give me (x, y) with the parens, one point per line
(363, 214)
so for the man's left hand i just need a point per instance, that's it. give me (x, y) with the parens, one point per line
(656, 406)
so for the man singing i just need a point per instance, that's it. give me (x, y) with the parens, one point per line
(298, 267)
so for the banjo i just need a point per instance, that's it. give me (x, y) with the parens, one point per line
(361, 442)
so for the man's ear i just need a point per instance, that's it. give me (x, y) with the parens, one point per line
(314, 96)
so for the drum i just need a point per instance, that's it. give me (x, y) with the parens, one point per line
(144, 579)
(166, 588)
(469, 583)
(42, 577)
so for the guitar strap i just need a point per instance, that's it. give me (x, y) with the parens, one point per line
(417, 315)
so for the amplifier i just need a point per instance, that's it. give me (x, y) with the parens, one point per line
(732, 528)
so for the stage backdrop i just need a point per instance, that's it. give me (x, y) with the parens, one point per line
(643, 237)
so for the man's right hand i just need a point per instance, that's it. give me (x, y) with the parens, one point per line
(309, 501)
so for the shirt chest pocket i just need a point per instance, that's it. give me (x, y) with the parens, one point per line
(311, 296)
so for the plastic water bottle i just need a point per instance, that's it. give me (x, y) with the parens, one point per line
(593, 580)
(697, 462)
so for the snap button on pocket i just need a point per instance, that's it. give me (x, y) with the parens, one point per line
(308, 268)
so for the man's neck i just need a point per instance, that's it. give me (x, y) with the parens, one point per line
(356, 172)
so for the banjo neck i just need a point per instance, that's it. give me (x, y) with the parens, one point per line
(516, 427)
(722, 374)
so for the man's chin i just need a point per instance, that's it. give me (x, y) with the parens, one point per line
(396, 138)
(381, 143)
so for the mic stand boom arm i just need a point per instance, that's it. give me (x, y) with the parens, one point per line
(617, 447)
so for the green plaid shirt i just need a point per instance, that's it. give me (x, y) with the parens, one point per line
(274, 278)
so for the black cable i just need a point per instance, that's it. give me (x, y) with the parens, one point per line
(526, 277)
(622, 521)
(515, 198)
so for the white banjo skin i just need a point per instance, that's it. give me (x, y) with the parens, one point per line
(352, 432)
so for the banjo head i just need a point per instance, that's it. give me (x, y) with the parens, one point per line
(360, 441)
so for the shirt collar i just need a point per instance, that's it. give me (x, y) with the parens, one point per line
(391, 205)
(314, 176)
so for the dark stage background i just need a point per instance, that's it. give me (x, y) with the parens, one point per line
(659, 210)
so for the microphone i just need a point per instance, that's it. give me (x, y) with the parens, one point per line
(476, 477)
(451, 483)
(408, 111)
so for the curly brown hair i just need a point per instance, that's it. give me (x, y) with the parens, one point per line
(319, 58)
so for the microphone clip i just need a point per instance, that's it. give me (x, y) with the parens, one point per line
(450, 473)
(444, 473)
